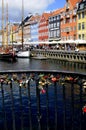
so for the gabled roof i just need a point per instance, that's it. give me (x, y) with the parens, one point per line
(73, 2)
(57, 12)
(35, 17)
(25, 20)
(45, 15)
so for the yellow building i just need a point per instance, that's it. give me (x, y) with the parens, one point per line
(81, 23)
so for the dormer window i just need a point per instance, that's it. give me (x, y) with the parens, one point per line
(67, 5)
(82, 6)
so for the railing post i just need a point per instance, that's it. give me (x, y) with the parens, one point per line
(64, 111)
(72, 105)
(13, 113)
(47, 106)
(29, 103)
(38, 104)
(3, 107)
(80, 128)
(55, 92)
(20, 95)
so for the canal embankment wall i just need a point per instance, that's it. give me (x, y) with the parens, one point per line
(72, 56)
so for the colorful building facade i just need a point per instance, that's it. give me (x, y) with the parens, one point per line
(34, 22)
(43, 27)
(81, 20)
(69, 20)
(54, 26)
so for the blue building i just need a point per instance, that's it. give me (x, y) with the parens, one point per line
(34, 22)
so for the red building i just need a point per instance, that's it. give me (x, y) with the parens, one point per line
(43, 27)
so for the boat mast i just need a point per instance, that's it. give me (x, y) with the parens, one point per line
(22, 23)
(2, 23)
(7, 25)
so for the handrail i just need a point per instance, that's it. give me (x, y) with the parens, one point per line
(43, 71)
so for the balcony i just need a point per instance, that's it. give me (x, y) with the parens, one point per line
(42, 100)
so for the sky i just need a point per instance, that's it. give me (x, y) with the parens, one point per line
(30, 6)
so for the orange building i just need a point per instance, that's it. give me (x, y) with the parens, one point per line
(43, 27)
(69, 20)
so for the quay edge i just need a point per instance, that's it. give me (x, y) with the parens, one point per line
(60, 55)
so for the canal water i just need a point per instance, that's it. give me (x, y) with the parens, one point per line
(34, 64)
(68, 104)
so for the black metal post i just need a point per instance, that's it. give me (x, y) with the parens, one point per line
(38, 105)
(72, 106)
(29, 103)
(47, 106)
(64, 111)
(13, 111)
(3, 107)
(20, 95)
(80, 125)
(55, 92)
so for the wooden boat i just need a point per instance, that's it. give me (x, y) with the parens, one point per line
(8, 55)
(6, 52)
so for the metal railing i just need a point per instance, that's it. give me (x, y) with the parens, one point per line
(42, 100)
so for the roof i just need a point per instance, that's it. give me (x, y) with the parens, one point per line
(46, 15)
(35, 17)
(25, 20)
(73, 2)
(57, 12)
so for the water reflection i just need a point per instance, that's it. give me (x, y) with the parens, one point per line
(50, 64)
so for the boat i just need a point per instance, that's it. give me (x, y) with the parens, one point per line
(6, 52)
(10, 56)
(24, 53)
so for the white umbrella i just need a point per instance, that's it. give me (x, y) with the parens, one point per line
(79, 41)
(61, 42)
(70, 41)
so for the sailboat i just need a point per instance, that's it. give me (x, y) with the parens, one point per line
(23, 53)
(6, 53)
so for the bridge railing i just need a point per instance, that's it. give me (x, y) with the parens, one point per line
(42, 100)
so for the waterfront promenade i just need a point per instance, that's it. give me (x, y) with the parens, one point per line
(64, 55)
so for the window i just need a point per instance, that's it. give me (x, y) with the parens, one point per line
(74, 19)
(54, 33)
(83, 36)
(79, 16)
(74, 28)
(83, 25)
(58, 24)
(79, 36)
(58, 33)
(82, 6)
(79, 26)
(67, 20)
(82, 14)
(54, 25)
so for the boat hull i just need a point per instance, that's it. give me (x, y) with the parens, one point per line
(8, 57)
(23, 54)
